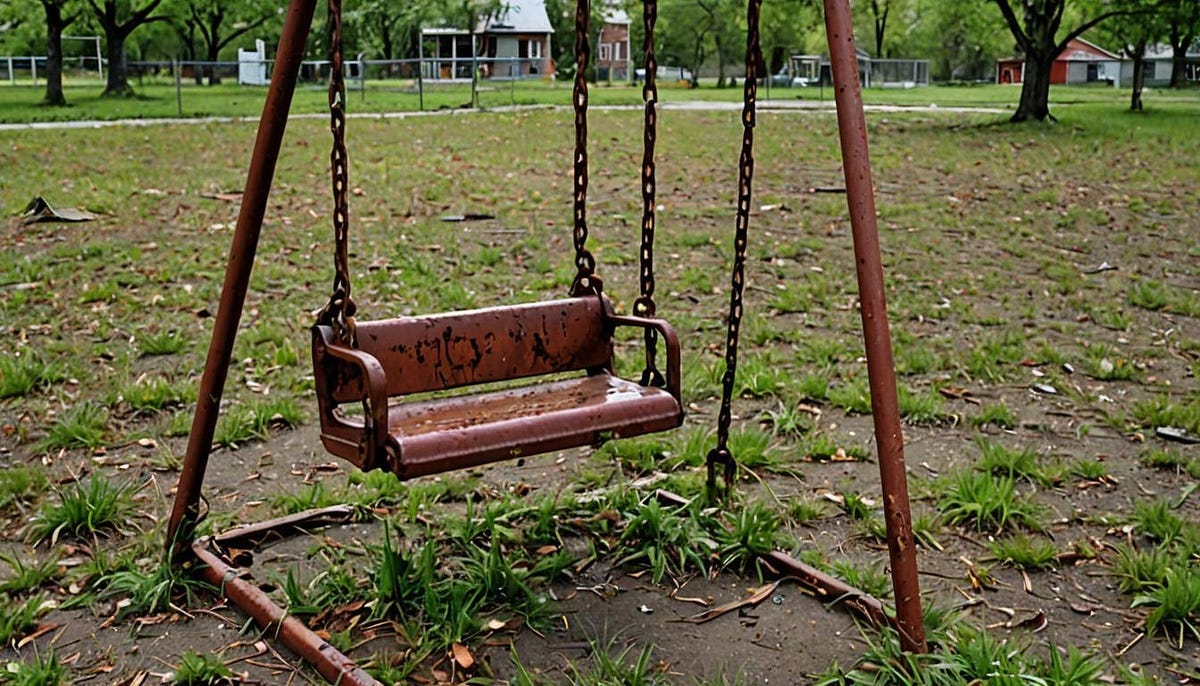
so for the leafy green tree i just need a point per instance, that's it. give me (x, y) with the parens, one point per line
(1183, 20)
(118, 19)
(1037, 34)
(217, 24)
(1134, 33)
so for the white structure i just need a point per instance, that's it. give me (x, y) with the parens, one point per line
(252, 65)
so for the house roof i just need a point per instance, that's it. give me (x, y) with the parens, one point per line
(521, 16)
(1163, 51)
(1080, 50)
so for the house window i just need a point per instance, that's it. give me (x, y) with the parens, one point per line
(605, 52)
(531, 49)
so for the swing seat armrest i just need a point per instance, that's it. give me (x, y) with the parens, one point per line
(671, 341)
(375, 401)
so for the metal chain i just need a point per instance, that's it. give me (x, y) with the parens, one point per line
(339, 311)
(721, 453)
(644, 306)
(586, 282)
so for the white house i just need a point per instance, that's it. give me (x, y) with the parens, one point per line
(515, 43)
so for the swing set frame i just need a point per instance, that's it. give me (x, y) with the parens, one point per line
(206, 556)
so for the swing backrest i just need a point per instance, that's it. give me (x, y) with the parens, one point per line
(456, 349)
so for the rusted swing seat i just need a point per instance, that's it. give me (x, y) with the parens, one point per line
(416, 355)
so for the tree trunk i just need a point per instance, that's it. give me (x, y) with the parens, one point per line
(55, 25)
(214, 53)
(1035, 90)
(117, 83)
(1139, 76)
(1179, 65)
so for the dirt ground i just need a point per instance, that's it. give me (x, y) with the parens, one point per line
(985, 282)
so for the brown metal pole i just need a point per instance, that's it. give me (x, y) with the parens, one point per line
(852, 127)
(332, 664)
(185, 512)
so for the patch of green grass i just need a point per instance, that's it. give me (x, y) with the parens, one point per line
(162, 343)
(1024, 552)
(154, 394)
(802, 510)
(1089, 470)
(22, 372)
(141, 592)
(999, 460)
(254, 421)
(308, 497)
(19, 618)
(1175, 605)
(1157, 521)
(1153, 295)
(1164, 410)
(993, 359)
(789, 421)
(751, 531)
(753, 449)
(83, 510)
(759, 376)
(83, 425)
(665, 539)
(853, 396)
(42, 670)
(986, 502)
(1166, 459)
(196, 669)
(609, 666)
(921, 408)
(1106, 365)
(998, 414)
(871, 579)
(20, 484)
(642, 455)
(28, 572)
(814, 387)
(1137, 570)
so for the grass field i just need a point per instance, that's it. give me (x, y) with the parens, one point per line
(1044, 286)
(157, 98)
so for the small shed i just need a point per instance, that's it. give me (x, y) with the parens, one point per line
(1080, 62)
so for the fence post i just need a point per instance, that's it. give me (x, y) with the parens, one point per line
(33, 68)
(12, 77)
(421, 74)
(177, 69)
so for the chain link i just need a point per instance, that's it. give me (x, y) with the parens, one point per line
(586, 282)
(721, 454)
(645, 306)
(339, 311)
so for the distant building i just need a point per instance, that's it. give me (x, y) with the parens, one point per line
(1080, 62)
(1158, 63)
(614, 62)
(513, 44)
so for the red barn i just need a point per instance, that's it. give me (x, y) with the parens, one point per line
(1080, 62)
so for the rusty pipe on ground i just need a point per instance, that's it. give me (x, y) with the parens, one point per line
(827, 588)
(185, 512)
(328, 661)
(856, 163)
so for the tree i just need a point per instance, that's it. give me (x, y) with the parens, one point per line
(879, 12)
(57, 20)
(1037, 37)
(220, 23)
(118, 19)
(1134, 33)
(1183, 18)
(963, 39)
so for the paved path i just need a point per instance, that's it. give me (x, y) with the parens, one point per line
(697, 105)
